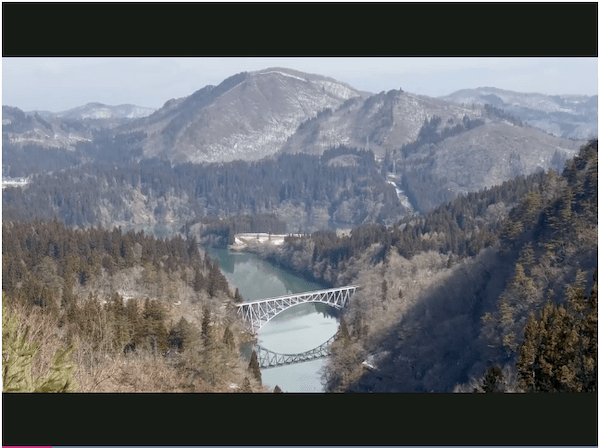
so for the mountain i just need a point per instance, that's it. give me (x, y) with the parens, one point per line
(569, 116)
(248, 116)
(430, 149)
(478, 158)
(437, 149)
(64, 129)
(381, 122)
(19, 128)
(96, 111)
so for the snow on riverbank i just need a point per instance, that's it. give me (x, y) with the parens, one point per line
(246, 240)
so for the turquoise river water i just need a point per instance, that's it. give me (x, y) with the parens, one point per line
(295, 330)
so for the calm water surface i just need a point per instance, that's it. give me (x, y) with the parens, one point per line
(296, 330)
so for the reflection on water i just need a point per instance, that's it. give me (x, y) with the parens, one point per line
(297, 333)
(257, 279)
(298, 329)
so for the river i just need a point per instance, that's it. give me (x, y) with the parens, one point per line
(298, 329)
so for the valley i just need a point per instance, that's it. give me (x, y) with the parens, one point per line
(469, 220)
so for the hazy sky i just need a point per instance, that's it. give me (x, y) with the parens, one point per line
(58, 84)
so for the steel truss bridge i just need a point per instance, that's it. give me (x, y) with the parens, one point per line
(259, 312)
(267, 358)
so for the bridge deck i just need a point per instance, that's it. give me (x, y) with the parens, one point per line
(259, 312)
(300, 294)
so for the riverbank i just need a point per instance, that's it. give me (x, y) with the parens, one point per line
(253, 241)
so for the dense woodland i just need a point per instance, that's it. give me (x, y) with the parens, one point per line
(495, 291)
(112, 305)
(519, 316)
(457, 229)
(102, 193)
(490, 291)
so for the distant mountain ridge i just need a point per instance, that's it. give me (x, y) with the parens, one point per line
(568, 116)
(497, 134)
(252, 115)
(98, 111)
(64, 129)
(21, 129)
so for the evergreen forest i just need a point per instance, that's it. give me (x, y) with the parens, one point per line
(495, 291)
(344, 184)
(106, 286)
(93, 310)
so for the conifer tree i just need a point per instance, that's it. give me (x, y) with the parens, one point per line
(178, 335)
(246, 388)
(277, 390)
(199, 281)
(254, 367)
(206, 330)
(154, 329)
(237, 297)
(493, 380)
(559, 352)
(228, 339)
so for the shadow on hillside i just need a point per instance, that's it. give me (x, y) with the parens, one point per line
(436, 345)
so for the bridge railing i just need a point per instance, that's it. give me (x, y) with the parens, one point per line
(291, 296)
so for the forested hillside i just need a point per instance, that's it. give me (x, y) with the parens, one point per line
(139, 313)
(462, 290)
(30, 159)
(457, 229)
(473, 236)
(344, 185)
(447, 162)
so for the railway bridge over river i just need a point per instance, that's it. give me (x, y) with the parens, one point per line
(259, 312)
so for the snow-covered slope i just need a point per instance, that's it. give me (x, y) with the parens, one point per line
(97, 111)
(569, 116)
(381, 122)
(248, 116)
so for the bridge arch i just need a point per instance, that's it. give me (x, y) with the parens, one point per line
(259, 312)
(268, 358)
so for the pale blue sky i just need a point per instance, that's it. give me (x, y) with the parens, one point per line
(58, 84)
